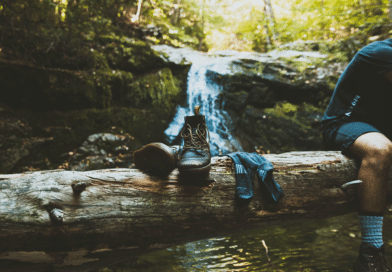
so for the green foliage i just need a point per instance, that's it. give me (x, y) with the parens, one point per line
(331, 19)
(35, 30)
(247, 27)
(252, 30)
(156, 90)
(181, 22)
(299, 115)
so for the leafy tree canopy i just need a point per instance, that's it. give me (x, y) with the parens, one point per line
(34, 29)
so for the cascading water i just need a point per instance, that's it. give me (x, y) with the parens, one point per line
(205, 93)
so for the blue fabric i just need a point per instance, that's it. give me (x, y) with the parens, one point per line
(342, 137)
(371, 230)
(362, 93)
(246, 166)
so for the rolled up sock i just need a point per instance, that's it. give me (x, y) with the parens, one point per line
(371, 229)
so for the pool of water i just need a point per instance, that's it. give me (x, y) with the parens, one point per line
(314, 245)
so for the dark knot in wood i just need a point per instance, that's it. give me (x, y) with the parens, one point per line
(79, 187)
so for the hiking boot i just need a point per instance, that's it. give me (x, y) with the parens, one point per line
(371, 259)
(156, 158)
(194, 156)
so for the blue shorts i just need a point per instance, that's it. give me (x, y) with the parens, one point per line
(342, 136)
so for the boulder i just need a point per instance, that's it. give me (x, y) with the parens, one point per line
(51, 111)
(18, 142)
(276, 101)
(102, 150)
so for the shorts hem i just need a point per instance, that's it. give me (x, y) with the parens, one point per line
(344, 135)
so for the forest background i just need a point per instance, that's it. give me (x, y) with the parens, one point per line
(38, 27)
(72, 69)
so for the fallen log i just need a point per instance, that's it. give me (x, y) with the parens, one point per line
(95, 212)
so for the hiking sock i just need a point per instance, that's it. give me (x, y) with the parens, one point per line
(371, 229)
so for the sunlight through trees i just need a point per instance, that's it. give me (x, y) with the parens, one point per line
(201, 24)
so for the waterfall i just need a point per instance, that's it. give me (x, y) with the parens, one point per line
(204, 92)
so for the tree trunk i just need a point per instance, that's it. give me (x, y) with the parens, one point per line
(175, 17)
(362, 7)
(201, 37)
(267, 36)
(139, 9)
(271, 18)
(96, 212)
(390, 10)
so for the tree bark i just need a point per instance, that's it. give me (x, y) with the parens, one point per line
(176, 15)
(139, 9)
(362, 7)
(271, 17)
(390, 10)
(96, 212)
(201, 12)
(267, 36)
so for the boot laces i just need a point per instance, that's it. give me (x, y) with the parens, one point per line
(197, 140)
(379, 263)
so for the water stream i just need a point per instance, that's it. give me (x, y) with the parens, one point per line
(205, 93)
(201, 90)
(312, 245)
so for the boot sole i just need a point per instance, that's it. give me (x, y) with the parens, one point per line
(201, 171)
(156, 158)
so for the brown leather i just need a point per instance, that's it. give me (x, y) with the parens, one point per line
(156, 158)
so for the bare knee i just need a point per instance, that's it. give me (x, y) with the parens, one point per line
(374, 150)
(378, 156)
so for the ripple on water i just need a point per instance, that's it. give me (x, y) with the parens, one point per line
(313, 245)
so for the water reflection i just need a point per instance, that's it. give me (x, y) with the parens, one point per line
(315, 245)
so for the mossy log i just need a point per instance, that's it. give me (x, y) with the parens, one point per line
(96, 212)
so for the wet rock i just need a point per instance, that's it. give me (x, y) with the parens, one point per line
(285, 127)
(122, 83)
(150, 30)
(274, 100)
(277, 105)
(101, 150)
(93, 163)
(271, 82)
(18, 141)
(177, 56)
(121, 149)
(260, 95)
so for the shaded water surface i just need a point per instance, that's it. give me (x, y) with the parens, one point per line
(313, 245)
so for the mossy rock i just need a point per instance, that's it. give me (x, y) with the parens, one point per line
(142, 107)
(154, 90)
(130, 55)
(43, 88)
(49, 89)
(286, 127)
(67, 130)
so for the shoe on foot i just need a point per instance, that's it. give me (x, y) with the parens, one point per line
(194, 156)
(371, 259)
(156, 158)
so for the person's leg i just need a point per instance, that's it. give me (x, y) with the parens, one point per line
(375, 153)
(374, 150)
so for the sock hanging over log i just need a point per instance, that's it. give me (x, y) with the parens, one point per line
(246, 165)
